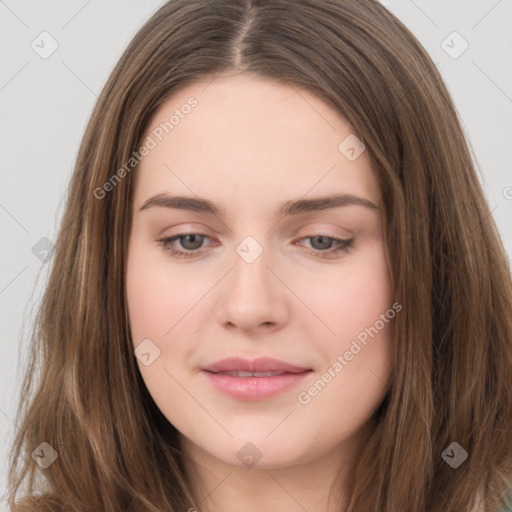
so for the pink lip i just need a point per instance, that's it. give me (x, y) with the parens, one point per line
(262, 364)
(254, 388)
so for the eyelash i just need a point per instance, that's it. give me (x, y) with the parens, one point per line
(343, 246)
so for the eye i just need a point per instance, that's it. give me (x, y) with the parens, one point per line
(328, 245)
(189, 241)
(193, 242)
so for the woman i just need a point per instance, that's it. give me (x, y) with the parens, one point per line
(202, 349)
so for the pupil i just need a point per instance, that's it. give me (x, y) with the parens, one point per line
(325, 241)
(193, 240)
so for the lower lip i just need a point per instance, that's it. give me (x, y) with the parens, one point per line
(255, 388)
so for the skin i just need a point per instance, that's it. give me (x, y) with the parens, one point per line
(249, 145)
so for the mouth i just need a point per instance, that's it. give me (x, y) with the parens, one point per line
(255, 367)
(244, 374)
(252, 383)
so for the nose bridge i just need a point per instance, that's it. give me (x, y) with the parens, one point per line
(253, 295)
(250, 249)
(250, 273)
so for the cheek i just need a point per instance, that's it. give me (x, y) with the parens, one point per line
(358, 359)
(369, 293)
(365, 328)
(348, 297)
(159, 294)
(157, 300)
(147, 298)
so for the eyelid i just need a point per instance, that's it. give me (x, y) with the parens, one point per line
(184, 229)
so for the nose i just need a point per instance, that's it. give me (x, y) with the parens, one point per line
(253, 297)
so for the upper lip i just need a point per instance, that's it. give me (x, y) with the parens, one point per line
(262, 364)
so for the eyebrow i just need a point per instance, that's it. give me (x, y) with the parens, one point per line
(293, 207)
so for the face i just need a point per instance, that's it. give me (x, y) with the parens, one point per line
(252, 263)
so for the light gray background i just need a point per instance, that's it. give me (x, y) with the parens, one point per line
(46, 102)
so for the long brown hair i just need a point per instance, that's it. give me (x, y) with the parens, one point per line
(83, 393)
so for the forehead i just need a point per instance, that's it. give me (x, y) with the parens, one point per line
(247, 133)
